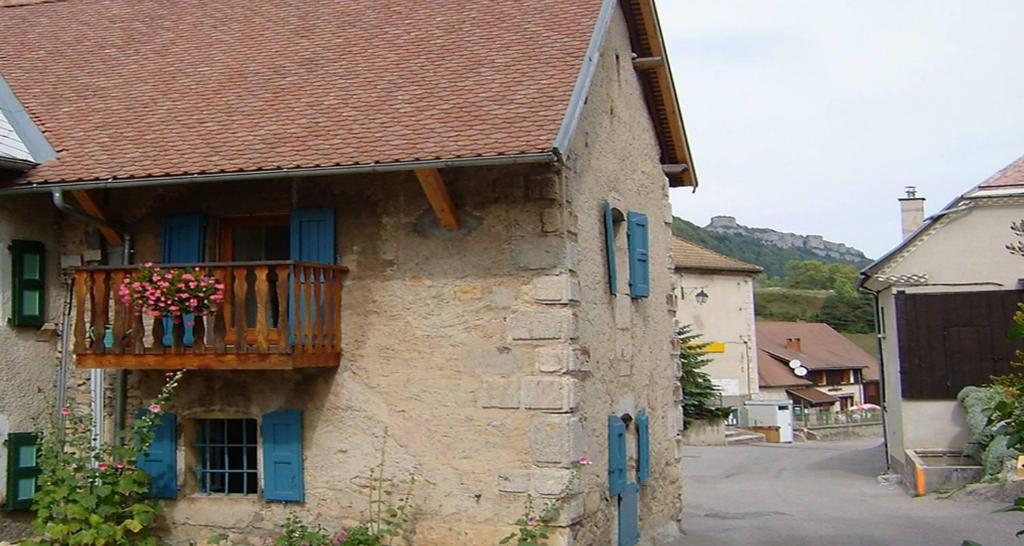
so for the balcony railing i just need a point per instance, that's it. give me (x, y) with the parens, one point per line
(275, 315)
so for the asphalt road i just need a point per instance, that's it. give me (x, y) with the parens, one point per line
(822, 493)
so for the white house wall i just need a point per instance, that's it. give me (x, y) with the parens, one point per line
(965, 253)
(727, 317)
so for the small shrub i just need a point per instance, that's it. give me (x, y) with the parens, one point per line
(96, 495)
(534, 527)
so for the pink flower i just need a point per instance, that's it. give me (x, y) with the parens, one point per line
(154, 408)
(148, 264)
(65, 411)
(103, 466)
(119, 465)
(532, 519)
(585, 461)
(341, 537)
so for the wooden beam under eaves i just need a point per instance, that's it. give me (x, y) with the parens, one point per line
(89, 205)
(437, 195)
(648, 63)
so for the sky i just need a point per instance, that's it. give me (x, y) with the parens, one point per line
(810, 116)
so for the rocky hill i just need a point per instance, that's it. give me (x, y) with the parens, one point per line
(816, 244)
(767, 248)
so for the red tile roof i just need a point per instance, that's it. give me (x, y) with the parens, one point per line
(144, 88)
(772, 372)
(687, 255)
(821, 347)
(1011, 175)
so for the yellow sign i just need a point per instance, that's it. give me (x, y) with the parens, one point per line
(715, 347)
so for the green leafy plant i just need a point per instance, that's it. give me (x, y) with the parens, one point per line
(297, 532)
(534, 527)
(92, 495)
(700, 395)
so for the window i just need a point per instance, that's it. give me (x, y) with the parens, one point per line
(28, 259)
(227, 456)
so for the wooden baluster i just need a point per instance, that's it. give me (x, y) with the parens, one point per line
(337, 308)
(100, 299)
(318, 309)
(330, 310)
(158, 335)
(220, 318)
(199, 335)
(119, 313)
(307, 295)
(138, 332)
(81, 289)
(298, 305)
(241, 287)
(282, 309)
(262, 302)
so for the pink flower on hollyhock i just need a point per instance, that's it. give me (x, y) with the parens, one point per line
(119, 465)
(341, 537)
(585, 461)
(532, 519)
(65, 411)
(154, 408)
(103, 466)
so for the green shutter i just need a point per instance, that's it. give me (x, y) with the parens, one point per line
(28, 260)
(609, 246)
(639, 255)
(643, 447)
(22, 469)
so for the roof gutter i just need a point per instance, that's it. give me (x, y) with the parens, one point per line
(113, 183)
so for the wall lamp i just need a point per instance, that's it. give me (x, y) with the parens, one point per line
(701, 297)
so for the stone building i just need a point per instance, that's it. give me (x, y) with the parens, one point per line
(449, 223)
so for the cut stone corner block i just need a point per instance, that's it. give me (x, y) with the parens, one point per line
(542, 324)
(556, 394)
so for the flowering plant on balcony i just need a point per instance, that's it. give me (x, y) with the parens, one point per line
(172, 292)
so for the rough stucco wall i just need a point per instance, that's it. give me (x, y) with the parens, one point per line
(727, 317)
(615, 157)
(453, 343)
(28, 366)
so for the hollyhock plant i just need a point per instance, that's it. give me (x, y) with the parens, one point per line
(171, 292)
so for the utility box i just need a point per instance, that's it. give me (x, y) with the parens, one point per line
(771, 415)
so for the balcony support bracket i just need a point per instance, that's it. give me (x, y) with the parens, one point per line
(437, 195)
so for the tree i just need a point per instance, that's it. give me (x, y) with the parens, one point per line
(700, 395)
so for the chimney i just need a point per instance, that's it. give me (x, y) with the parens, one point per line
(793, 344)
(911, 211)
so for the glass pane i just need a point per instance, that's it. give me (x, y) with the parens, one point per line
(26, 456)
(26, 488)
(30, 266)
(30, 300)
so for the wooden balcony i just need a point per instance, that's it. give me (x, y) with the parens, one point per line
(275, 316)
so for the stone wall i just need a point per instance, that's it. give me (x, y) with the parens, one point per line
(615, 158)
(28, 360)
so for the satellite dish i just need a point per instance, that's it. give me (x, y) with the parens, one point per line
(800, 371)
(794, 364)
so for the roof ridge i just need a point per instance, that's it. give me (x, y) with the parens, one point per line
(22, 3)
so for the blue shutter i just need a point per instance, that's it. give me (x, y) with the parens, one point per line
(282, 456)
(182, 244)
(639, 259)
(161, 460)
(643, 447)
(629, 515)
(609, 238)
(616, 455)
(312, 235)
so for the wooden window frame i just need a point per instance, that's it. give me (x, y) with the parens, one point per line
(225, 253)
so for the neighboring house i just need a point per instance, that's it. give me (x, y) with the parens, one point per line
(946, 296)
(715, 295)
(448, 223)
(837, 369)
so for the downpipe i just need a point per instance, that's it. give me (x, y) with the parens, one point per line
(97, 378)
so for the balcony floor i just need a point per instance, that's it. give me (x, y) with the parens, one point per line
(208, 361)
